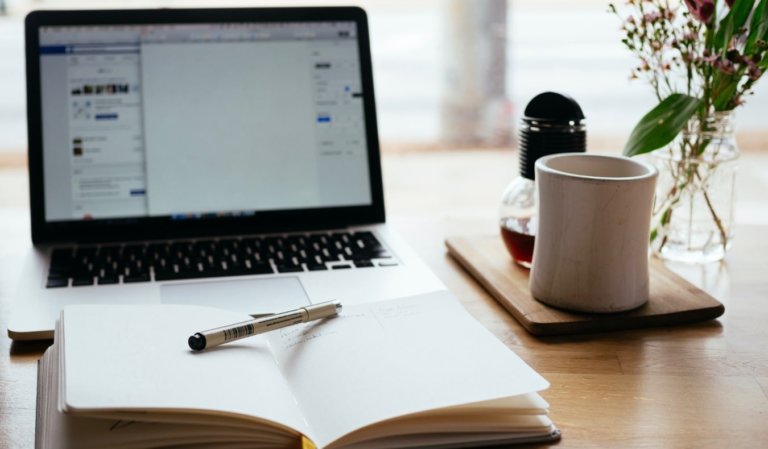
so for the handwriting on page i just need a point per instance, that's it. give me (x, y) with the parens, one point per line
(353, 322)
(349, 321)
(293, 336)
(397, 311)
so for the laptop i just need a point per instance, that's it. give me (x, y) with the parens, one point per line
(218, 157)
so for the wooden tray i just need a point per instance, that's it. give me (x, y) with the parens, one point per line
(673, 300)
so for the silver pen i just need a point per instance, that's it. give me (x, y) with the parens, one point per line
(225, 334)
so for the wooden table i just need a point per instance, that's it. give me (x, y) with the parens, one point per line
(703, 385)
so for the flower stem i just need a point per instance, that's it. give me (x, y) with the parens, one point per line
(715, 217)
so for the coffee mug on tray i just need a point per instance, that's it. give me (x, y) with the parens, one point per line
(591, 251)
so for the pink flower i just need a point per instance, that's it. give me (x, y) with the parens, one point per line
(701, 9)
(753, 71)
(725, 66)
(708, 58)
(651, 17)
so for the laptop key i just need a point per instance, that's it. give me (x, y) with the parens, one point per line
(106, 280)
(250, 267)
(136, 277)
(316, 267)
(163, 275)
(359, 256)
(82, 281)
(380, 254)
(289, 269)
(170, 275)
(60, 272)
(54, 282)
(215, 272)
(364, 235)
(363, 263)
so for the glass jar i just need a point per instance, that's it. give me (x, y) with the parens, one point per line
(693, 210)
(518, 219)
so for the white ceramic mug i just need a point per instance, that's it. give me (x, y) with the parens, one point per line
(591, 251)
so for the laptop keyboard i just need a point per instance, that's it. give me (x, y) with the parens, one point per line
(190, 259)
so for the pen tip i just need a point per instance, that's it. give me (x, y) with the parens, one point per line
(197, 342)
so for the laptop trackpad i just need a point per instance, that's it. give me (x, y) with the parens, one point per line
(251, 296)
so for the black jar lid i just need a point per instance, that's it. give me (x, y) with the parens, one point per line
(553, 123)
(553, 106)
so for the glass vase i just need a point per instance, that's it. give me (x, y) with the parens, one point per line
(693, 210)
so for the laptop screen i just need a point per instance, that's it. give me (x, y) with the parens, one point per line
(201, 120)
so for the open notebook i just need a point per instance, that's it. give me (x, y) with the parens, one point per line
(413, 372)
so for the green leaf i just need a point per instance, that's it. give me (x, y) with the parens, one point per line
(658, 127)
(727, 90)
(732, 22)
(758, 26)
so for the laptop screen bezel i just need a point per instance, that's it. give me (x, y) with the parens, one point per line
(151, 228)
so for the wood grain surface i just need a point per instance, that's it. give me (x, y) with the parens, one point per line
(702, 385)
(673, 300)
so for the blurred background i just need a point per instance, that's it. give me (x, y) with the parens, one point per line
(448, 73)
